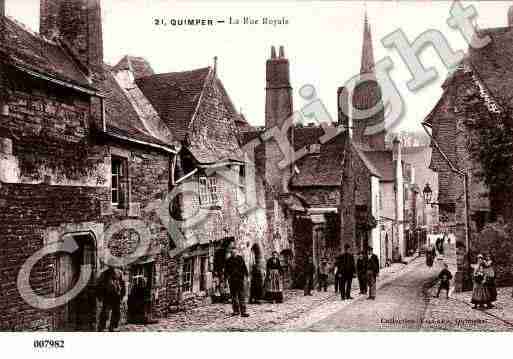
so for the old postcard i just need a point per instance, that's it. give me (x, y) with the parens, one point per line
(295, 166)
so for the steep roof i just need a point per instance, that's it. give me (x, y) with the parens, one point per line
(493, 63)
(323, 169)
(30, 51)
(383, 162)
(367, 161)
(120, 116)
(139, 66)
(175, 96)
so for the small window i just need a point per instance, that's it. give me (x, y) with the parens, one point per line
(118, 180)
(203, 190)
(187, 275)
(212, 188)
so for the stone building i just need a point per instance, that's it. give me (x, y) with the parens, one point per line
(422, 217)
(367, 136)
(79, 163)
(211, 169)
(314, 205)
(475, 103)
(104, 158)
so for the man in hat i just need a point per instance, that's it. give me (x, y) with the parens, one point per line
(236, 272)
(111, 290)
(347, 271)
(372, 273)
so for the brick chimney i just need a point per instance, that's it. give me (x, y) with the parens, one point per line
(278, 108)
(78, 23)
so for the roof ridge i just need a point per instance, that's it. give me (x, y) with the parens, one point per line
(29, 30)
(177, 72)
(210, 74)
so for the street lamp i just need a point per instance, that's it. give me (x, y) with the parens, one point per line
(427, 194)
(464, 174)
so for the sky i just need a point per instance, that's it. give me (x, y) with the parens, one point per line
(322, 41)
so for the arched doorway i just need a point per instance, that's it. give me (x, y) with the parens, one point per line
(286, 257)
(256, 257)
(78, 314)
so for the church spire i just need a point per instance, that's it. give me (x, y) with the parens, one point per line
(367, 52)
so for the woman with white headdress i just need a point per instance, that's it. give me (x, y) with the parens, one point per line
(480, 294)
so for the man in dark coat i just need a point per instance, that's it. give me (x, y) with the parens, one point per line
(111, 290)
(236, 272)
(309, 272)
(347, 270)
(361, 271)
(372, 273)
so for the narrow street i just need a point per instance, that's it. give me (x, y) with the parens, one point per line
(400, 304)
(406, 301)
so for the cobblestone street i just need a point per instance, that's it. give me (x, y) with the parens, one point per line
(296, 313)
(405, 301)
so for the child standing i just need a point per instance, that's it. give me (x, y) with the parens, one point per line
(445, 277)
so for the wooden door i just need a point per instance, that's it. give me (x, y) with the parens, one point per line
(80, 312)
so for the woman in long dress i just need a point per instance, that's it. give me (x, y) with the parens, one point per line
(489, 283)
(274, 287)
(480, 295)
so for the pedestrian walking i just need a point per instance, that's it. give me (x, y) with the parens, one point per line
(372, 273)
(347, 272)
(256, 288)
(445, 277)
(274, 287)
(236, 272)
(489, 281)
(111, 290)
(308, 274)
(361, 271)
(480, 295)
(323, 276)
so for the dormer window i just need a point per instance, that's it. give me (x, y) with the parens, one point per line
(209, 191)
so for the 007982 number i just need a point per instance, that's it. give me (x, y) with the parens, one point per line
(52, 344)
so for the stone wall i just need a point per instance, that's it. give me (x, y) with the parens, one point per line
(56, 182)
(27, 212)
(356, 190)
(454, 128)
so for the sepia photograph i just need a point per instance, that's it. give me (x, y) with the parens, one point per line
(285, 167)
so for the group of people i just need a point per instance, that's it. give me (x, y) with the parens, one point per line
(111, 286)
(272, 284)
(484, 292)
(270, 288)
(366, 270)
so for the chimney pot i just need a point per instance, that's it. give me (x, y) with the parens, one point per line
(273, 52)
(282, 52)
(510, 16)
